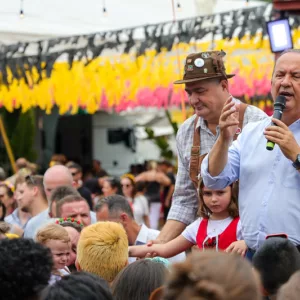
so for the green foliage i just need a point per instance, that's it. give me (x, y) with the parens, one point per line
(22, 139)
(173, 124)
(161, 141)
(20, 129)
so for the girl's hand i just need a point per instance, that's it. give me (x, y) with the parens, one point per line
(238, 247)
(141, 251)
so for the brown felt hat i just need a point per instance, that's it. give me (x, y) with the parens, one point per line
(204, 65)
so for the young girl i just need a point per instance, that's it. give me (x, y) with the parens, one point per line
(56, 238)
(218, 227)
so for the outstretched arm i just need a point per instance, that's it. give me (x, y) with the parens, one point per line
(167, 250)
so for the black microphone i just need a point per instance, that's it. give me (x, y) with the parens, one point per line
(279, 106)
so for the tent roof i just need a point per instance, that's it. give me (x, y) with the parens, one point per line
(54, 18)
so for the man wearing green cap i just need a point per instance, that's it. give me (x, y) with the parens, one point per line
(206, 84)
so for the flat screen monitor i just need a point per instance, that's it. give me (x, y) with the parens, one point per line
(280, 35)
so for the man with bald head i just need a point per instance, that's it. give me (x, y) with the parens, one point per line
(54, 177)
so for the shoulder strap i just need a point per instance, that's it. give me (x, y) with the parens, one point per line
(196, 159)
(243, 107)
(195, 153)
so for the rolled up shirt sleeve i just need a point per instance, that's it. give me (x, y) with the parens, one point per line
(229, 174)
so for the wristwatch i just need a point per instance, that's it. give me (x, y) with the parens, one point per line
(296, 163)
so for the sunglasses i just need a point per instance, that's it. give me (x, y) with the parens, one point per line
(30, 179)
(126, 185)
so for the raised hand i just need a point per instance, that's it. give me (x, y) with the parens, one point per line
(229, 119)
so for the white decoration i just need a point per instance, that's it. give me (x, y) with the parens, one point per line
(199, 62)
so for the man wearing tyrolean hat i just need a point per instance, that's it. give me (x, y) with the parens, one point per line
(206, 84)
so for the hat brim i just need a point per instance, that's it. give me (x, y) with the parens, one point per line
(201, 78)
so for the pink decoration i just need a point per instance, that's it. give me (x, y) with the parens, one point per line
(165, 97)
(104, 101)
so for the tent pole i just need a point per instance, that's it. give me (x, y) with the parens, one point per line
(7, 146)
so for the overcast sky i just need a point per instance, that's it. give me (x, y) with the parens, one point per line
(51, 18)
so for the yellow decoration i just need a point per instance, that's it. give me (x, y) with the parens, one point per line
(113, 81)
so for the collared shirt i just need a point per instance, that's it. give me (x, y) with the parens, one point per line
(185, 201)
(146, 234)
(14, 219)
(269, 186)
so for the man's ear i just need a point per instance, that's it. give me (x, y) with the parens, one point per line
(77, 266)
(123, 217)
(224, 84)
(35, 190)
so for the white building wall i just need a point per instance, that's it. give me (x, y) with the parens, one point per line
(116, 158)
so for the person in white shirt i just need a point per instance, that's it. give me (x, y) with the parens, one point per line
(134, 193)
(117, 209)
(140, 205)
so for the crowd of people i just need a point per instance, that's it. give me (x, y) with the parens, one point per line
(224, 226)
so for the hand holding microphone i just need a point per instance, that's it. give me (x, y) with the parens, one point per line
(280, 134)
(279, 106)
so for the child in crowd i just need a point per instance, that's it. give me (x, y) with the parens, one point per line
(56, 238)
(74, 228)
(218, 227)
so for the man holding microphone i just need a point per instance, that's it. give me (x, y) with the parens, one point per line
(269, 181)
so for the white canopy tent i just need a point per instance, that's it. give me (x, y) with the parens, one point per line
(56, 18)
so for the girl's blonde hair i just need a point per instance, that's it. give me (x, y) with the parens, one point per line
(233, 210)
(52, 232)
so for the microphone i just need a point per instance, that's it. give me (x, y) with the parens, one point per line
(279, 106)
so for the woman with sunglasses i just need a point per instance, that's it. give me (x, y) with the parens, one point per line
(128, 187)
(134, 192)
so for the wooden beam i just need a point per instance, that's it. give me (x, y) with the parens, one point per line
(287, 5)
